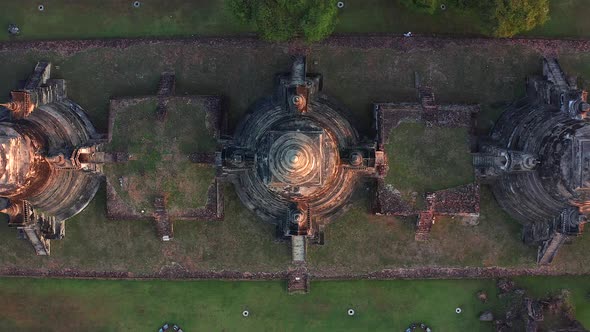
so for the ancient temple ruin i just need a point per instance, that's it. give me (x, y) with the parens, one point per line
(295, 159)
(537, 157)
(48, 154)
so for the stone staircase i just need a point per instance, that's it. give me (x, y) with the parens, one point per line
(424, 225)
(40, 76)
(167, 84)
(163, 222)
(166, 88)
(429, 107)
(555, 74)
(549, 248)
(298, 281)
(298, 248)
(425, 219)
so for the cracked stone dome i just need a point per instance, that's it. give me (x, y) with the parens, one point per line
(44, 138)
(537, 159)
(295, 159)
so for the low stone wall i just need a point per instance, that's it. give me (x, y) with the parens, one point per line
(178, 273)
(545, 46)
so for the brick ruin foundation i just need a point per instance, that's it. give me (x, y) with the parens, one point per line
(460, 202)
(119, 208)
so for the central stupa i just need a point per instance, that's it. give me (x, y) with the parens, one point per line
(295, 159)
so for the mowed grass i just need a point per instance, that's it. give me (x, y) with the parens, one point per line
(63, 19)
(359, 242)
(428, 159)
(93, 243)
(568, 18)
(386, 16)
(217, 305)
(95, 305)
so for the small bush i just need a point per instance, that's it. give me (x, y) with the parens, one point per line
(242, 9)
(280, 20)
(514, 16)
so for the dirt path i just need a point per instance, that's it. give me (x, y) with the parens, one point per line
(545, 46)
(387, 274)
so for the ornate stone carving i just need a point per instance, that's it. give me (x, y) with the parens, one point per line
(295, 159)
(43, 177)
(536, 159)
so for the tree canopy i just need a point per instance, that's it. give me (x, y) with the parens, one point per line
(280, 20)
(514, 16)
(501, 18)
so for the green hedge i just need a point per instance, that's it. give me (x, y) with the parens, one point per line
(280, 20)
(503, 18)
(511, 17)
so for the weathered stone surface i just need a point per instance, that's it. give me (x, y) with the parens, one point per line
(486, 316)
(505, 285)
(295, 160)
(482, 296)
(534, 157)
(47, 146)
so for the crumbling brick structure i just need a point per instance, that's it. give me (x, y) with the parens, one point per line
(160, 193)
(460, 202)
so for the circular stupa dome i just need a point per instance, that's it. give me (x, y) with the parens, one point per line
(295, 158)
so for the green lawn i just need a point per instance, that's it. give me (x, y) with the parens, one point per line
(387, 242)
(568, 18)
(64, 19)
(92, 305)
(425, 159)
(387, 16)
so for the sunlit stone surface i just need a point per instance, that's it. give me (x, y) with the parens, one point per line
(295, 160)
(537, 160)
(47, 152)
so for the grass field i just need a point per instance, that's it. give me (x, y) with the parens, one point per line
(378, 242)
(84, 305)
(63, 19)
(416, 163)
(240, 242)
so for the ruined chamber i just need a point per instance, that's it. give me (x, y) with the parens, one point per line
(537, 159)
(47, 144)
(295, 159)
